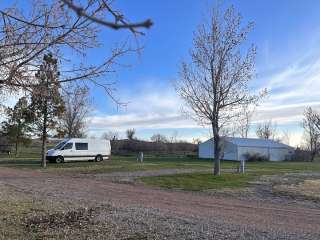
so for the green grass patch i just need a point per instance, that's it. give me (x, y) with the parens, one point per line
(200, 181)
(203, 181)
(129, 164)
(117, 164)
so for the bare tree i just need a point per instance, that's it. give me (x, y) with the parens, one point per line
(196, 140)
(311, 125)
(215, 84)
(286, 137)
(52, 26)
(110, 135)
(130, 133)
(77, 106)
(174, 137)
(244, 121)
(266, 130)
(159, 138)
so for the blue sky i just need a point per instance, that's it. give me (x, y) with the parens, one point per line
(287, 36)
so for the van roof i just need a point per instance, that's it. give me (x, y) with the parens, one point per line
(86, 139)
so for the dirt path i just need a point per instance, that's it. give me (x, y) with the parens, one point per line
(262, 216)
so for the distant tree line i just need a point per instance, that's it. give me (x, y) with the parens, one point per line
(127, 147)
(158, 144)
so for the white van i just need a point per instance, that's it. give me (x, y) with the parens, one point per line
(79, 149)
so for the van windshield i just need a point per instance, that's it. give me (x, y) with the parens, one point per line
(60, 145)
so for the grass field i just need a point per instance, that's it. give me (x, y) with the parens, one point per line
(200, 181)
(190, 181)
(128, 163)
(230, 179)
(116, 164)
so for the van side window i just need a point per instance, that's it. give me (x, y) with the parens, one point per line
(81, 146)
(68, 146)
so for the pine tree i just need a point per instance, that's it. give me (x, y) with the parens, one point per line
(46, 100)
(17, 128)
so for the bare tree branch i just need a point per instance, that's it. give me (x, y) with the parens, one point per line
(266, 130)
(49, 27)
(118, 18)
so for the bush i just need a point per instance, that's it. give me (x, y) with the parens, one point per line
(300, 155)
(255, 157)
(124, 147)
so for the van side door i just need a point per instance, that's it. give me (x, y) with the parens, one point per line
(82, 151)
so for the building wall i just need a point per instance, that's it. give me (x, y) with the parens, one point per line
(206, 150)
(280, 154)
(274, 154)
(242, 151)
(230, 151)
(236, 153)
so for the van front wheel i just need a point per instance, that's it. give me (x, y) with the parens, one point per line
(59, 159)
(99, 158)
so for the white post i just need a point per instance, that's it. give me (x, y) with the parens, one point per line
(242, 166)
(140, 157)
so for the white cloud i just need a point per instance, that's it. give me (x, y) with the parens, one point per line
(157, 106)
(154, 108)
(290, 92)
(141, 121)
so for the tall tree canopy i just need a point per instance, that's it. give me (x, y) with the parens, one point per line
(72, 123)
(214, 85)
(46, 101)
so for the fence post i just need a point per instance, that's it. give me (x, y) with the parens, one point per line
(242, 166)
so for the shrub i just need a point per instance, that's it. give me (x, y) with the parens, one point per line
(300, 155)
(255, 157)
(123, 147)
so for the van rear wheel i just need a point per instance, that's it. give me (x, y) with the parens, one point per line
(59, 159)
(99, 158)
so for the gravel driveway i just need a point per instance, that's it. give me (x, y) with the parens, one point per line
(215, 217)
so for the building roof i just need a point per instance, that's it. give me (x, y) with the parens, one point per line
(254, 142)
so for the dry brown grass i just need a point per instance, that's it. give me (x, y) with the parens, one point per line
(307, 188)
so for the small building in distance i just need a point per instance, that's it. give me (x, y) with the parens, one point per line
(238, 149)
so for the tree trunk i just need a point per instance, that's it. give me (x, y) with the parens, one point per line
(16, 147)
(16, 143)
(44, 137)
(217, 150)
(313, 154)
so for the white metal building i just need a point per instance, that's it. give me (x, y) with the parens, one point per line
(236, 149)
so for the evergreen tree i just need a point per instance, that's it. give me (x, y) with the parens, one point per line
(46, 100)
(17, 128)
